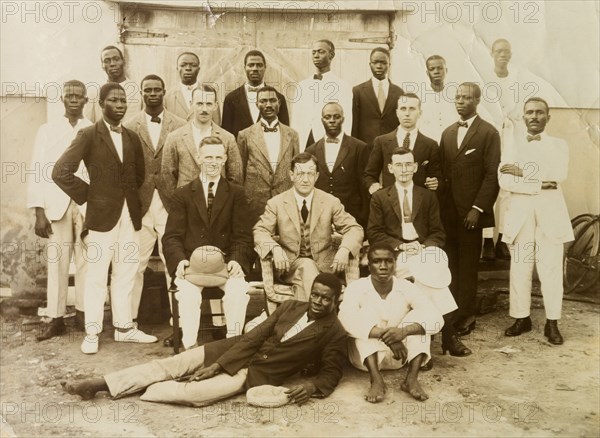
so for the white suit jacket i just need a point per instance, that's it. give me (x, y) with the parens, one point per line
(544, 160)
(52, 139)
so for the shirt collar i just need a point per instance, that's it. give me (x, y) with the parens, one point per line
(339, 137)
(470, 121)
(400, 188)
(259, 86)
(402, 132)
(149, 117)
(205, 182)
(269, 125)
(300, 199)
(108, 125)
(185, 87)
(376, 81)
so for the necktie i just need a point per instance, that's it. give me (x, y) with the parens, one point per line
(406, 142)
(318, 77)
(406, 208)
(267, 129)
(332, 140)
(116, 129)
(304, 211)
(210, 198)
(536, 137)
(462, 124)
(155, 119)
(380, 96)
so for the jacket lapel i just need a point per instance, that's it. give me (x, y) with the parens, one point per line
(416, 202)
(199, 199)
(245, 105)
(315, 210)
(291, 208)
(105, 137)
(470, 133)
(142, 130)
(452, 143)
(292, 317)
(284, 145)
(320, 153)
(164, 130)
(391, 100)
(259, 141)
(395, 202)
(220, 199)
(342, 153)
(188, 138)
(180, 102)
(370, 95)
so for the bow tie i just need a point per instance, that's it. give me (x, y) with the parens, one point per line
(462, 124)
(267, 129)
(318, 77)
(253, 89)
(536, 137)
(155, 119)
(116, 129)
(332, 140)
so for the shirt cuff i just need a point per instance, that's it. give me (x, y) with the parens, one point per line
(478, 209)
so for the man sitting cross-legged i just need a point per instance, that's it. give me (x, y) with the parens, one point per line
(389, 320)
(295, 334)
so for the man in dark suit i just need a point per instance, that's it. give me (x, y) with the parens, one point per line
(115, 162)
(152, 127)
(342, 160)
(374, 101)
(296, 334)
(239, 107)
(209, 211)
(469, 157)
(407, 135)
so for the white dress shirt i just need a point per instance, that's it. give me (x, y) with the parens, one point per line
(438, 112)
(302, 323)
(205, 183)
(273, 142)
(402, 133)
(462, 132)
(154, 128)
(251, 97)
(332, 150)
(300, 201)
(386, 86)
(408, 229)
(117, 139)
(186, 91)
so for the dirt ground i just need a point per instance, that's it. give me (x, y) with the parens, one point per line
(509, 387)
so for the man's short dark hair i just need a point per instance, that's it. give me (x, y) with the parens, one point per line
(211, 139)
(538, 99)
(152, 78)
(402, 151)
(303, 157)
(383, 50)
(411, 95)
(498, 41)
(380, 246)
(331, 281)
(265, 89)
(254, 53)
(112, 48)
(74, 83)
(206, 88)
(107, 88)
(435, 58)
(328, 42)
(188, 53)
(474, 86)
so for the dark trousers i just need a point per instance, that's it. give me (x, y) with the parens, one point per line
(463, 248)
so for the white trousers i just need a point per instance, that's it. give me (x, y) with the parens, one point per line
(302, 274)
(159, 375)
(153, 227)
(235, 302)
(63, 244)
(532, 247)
(119, 246)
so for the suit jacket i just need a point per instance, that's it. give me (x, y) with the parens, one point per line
(178, 105)
(426, 154)
(189, 227)
(179, 161)
(385, 218)
(152, 155)
(345, 180)
(544, 160)
(270, 361)
(282, 218)
(261, 182)
(469, 172)
(368, 121)
(112, 181)
(236, 111)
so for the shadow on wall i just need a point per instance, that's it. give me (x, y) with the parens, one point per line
(23, 264)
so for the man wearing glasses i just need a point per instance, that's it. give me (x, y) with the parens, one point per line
(296, 230)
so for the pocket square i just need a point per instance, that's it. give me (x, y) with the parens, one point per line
(470, 150)
(425, 163)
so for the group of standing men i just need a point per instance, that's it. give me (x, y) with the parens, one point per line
(167, 171)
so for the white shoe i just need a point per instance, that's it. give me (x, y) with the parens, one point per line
(134, 335)
(90, 344)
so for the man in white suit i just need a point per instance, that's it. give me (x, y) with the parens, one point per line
(536, 221)
(57, 217)
(314, 92)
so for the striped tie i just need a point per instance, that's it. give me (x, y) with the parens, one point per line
(210, 198)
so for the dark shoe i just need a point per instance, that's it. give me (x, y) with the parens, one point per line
(502, 251)
(521, 325)
(489, 252)
(56, 327)
(219, 332)
(552, 333)
(168, 342)
(427, 366)
(465, 326)
(80, 320)
(455, 347)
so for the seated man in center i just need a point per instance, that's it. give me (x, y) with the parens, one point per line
(296, 230)
(389, 319)
(210, 213)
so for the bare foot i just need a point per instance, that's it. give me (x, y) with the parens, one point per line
(376, 391)
(83, 389)
(414, 388)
